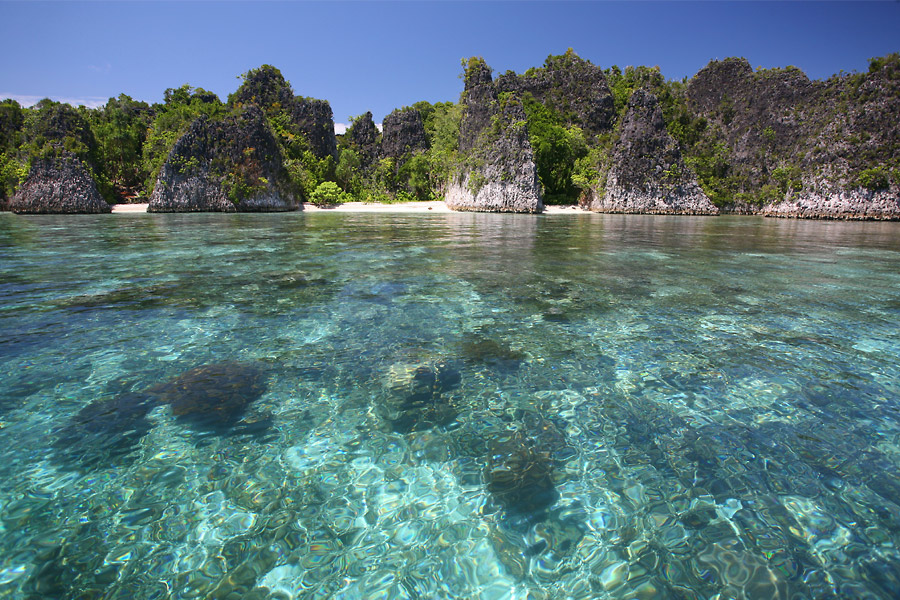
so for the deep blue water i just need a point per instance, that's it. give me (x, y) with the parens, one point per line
(448, 406)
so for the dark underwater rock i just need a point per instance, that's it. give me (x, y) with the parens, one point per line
(417, 400)
(73, 568)
(232, 164)
(58, 185)
(518, 475)
(212, 397)
(485, 351)
(104, 430)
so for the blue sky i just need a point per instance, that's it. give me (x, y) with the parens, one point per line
(382, 55)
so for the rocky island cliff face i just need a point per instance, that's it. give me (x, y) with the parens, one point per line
(60, 179)
(58, 185)
(498, 173)
(786, 146)
(647, 174)
(225, 165)
(730, 140)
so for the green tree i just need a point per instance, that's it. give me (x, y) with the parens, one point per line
(348, 172)
(120, 128)
(414, 177)
(442, 131)
(12, 120)
(556, 150)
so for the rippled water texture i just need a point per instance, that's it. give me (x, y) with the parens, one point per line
(448, 406)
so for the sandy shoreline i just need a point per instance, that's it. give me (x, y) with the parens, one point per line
(359, 207)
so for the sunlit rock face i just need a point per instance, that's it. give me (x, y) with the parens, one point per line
(232, 164)
(648, 174)
(499, 174)
(58, 185)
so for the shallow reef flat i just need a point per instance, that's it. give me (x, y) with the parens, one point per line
(352, 405)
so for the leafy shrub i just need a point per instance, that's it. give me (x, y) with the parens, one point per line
(327, 194)
(873, 179)
(556, 151)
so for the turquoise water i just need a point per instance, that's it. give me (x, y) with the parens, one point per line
(448, 406)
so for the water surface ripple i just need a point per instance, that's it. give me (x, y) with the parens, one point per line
(448, 406)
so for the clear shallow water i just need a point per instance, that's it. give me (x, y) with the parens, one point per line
(448, 406)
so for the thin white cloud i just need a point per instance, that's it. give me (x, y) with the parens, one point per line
(104, 68)
(341, 128)
(26, 100)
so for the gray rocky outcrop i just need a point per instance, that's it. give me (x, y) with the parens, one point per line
(225, 165)
(570, 85)
(63, 152)
(798, 148)
(58, 185)
(762, 115)
(363, 138)
(316, 120)
(499, 173)
(267, 88)
(829, 202)
(648, 174)
(479, 102)
(403, 132)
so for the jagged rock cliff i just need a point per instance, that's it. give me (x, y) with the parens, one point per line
(227, 165)
(403, 132)
(479, 103)
(64, 165)
(499, 174)
(569, 85)
(363, 138)
(647, 174)
(58, 185)
(316, 121)
(267, 88)
(790, 147)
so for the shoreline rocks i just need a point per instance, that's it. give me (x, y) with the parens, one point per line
(500, 174)
(843, 204)
(648, 174)
(58, 185)
(228, 165)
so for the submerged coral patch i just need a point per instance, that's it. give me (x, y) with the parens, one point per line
(212, 396)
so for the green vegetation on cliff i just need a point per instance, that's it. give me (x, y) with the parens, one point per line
(181, 107)
(749, 136)
(48, 130)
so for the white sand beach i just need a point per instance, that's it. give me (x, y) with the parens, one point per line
(437, 206)
(130, 208)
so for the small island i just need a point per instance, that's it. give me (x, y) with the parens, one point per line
(730, 140)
